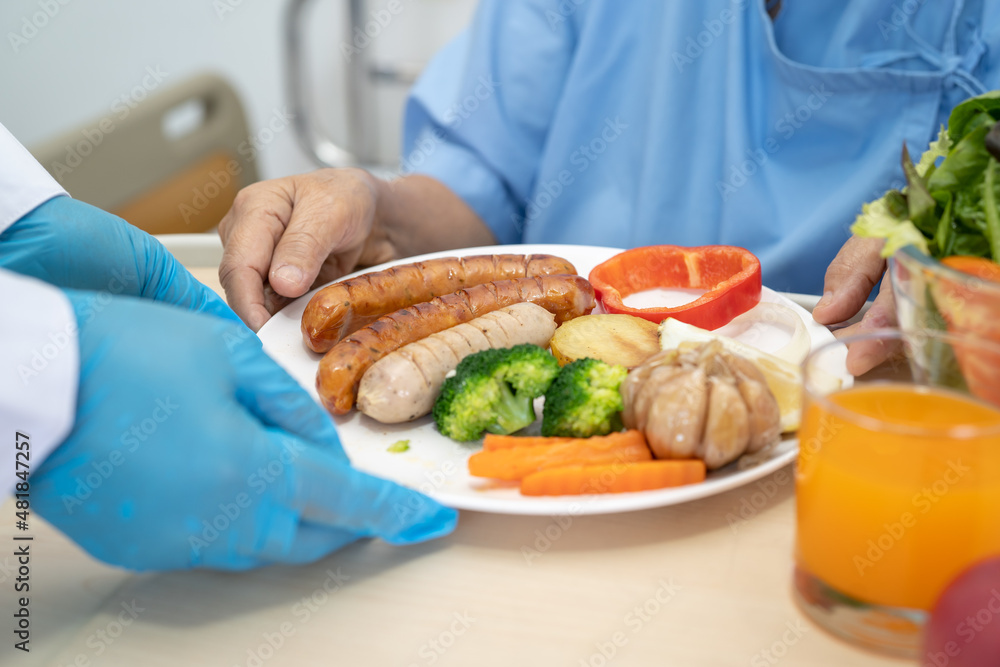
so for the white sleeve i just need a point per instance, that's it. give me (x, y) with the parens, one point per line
(24, 183)
(39, 353)
(39, 370)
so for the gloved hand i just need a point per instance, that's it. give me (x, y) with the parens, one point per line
(192, 448)
(70, 244)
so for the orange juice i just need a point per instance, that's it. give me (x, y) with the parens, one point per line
(890, 511)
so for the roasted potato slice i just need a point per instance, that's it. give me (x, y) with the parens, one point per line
(617, 339)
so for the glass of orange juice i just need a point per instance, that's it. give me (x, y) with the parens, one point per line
(897, 485)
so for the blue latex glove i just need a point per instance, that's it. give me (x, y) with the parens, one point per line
(192, 448)
(70, 244)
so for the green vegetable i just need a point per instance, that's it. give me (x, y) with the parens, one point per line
(920, 203)
(584, 400)
(494, 391)
(992, 215)
(939, 148)
(963, 166)
(963, 115)
(877, 221)
(951, 207)
(398, 447)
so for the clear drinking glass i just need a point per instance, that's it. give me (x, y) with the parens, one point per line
(897, 484)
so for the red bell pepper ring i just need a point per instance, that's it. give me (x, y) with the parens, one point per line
(730, 275)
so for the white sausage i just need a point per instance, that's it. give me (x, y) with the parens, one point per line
(403, 385)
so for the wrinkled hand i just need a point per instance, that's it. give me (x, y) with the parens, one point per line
(74, 245)
(291, 233)
(850, 278)
(192, 448)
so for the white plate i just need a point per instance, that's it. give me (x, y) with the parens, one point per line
(437, 465)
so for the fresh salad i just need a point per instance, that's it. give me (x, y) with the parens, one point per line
(951, 203)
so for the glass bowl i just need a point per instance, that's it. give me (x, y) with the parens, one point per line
(930, 295)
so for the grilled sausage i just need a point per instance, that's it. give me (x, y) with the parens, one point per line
(344, 307)
(403, 385)
(342, 367)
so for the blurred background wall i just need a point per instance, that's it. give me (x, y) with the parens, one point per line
(65, 63)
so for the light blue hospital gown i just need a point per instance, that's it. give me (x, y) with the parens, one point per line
(692, 122)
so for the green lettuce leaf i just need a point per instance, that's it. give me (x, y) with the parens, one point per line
(992, 210)
(920, 204)
(965, 164)
(960, 120)
(877, 221)
(938, 148)
(951, 205)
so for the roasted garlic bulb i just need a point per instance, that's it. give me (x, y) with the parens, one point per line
(700, 401)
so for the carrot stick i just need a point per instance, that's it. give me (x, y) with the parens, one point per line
(513, 463)
(493, 442)
(615, 478)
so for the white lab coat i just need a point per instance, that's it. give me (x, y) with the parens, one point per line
(39, 353)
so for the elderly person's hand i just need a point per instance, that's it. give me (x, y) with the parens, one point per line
(284, 236)
(850, 278)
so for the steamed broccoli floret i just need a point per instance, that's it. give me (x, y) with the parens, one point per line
(584, 400)
(493, 391)
(527, 369)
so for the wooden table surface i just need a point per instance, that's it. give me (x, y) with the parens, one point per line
(705, 583)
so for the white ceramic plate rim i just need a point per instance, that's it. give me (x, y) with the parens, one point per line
(437, 466)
